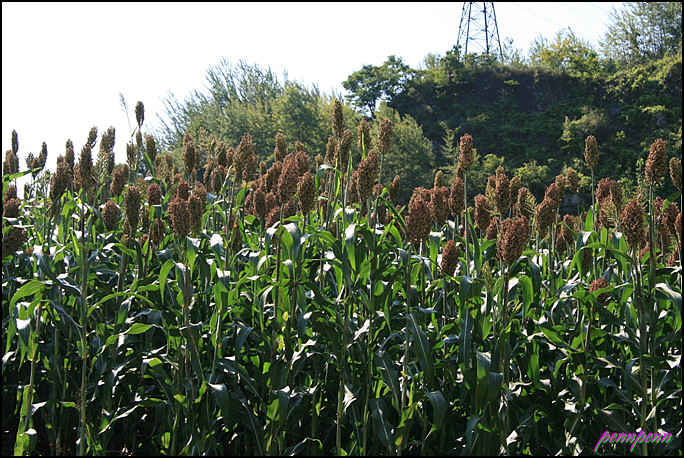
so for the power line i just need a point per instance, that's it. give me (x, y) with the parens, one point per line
(537, 14)
(583, 13)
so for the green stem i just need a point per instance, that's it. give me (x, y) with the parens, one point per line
(465, 222)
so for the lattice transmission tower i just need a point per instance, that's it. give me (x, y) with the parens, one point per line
(478, 30)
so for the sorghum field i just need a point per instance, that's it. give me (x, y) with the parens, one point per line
(153, 310)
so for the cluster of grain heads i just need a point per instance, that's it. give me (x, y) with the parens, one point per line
(609, 198)
(546, 211)
(418, 221)
(37, 163)
(632, 224)
(237, 334)
(502, 192)
(449, 258)
(14, 238)
(656, 164)
(512, 240)
(110, 215)
(676, 172)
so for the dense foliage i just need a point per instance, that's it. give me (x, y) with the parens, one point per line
(298, 310)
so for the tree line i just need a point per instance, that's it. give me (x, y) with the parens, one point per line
(626, 93)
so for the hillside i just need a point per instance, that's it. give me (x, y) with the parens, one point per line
(534, 114)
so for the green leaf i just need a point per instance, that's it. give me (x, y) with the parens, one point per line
(29, 289)
(163, 274)
(389, 376)
(422, 348)
(138, 328)
(665, 291)
(438, 408)
(383, 427)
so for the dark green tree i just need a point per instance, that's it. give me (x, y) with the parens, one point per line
(372, 84)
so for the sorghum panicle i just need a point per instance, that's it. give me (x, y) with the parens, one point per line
(180, 217)
(85, 169)
(280, 150)
(553, 193)
(656, 164)
(259, 204)
(10, 208)
(302, 162)
(502, 193)
(561, 183)
(632, 224)
(449, 258)
(287, 182)
(201, 192)
(591, 152)
(307, 192)
(393, 190)
(345, 148)
(439, 204)
(131, 154)
(154, 194)
(92, 137)
(466, 158)
(598, 284)
(418, 221)
(189, 153)
(13, 240)
(338, 118)
(15, 142)
(512, 240)
(368, 173)
(151, 147)
(132, 200)
(11, 193)
(196, 210)
(59, 181)
(456, 197)
(676, 172)
(572, 179)
(514, 187)
(439, 177)
(11, 164)
(139, 113)
(384, 136)
(332, 152)
(110, 215)
(273, 176)
(183, 189)
(483, 212)
(364, 137)
(545, 215)
(493, 228)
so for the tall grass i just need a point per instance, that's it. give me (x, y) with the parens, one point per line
(270, 327)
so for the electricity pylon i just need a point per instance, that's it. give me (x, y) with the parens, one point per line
(478, 29)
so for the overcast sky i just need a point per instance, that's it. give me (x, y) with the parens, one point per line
(65, 64)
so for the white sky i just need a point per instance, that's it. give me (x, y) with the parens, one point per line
(64, 64)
